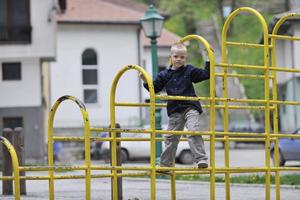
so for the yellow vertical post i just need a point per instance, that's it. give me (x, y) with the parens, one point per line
(50, 150)
(275, 116)
(173, 186)
(267, 106)
(113, 143)
(225, 95)
(15, 165)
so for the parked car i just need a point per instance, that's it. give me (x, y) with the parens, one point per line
(96, 149)
(289, 149)
(132, 150)
(246, 127)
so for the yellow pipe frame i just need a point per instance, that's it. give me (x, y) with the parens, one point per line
(273, 38)
(265, 46)
(266, 104)
(212, 92)
(87, 144)
(152, 126)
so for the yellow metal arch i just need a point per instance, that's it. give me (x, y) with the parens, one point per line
(212, 170)
(274, 37)
(15, 165)
(211, 57)
(224, 63)
(113, 125)
(87, 144)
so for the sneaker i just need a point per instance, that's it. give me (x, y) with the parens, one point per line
(202, 164)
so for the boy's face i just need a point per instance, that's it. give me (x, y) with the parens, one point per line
(178, 58)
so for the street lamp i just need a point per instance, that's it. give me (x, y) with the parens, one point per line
(152, 24)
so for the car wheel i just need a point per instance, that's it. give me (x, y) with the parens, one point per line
(186, 157)
(124, 156)
(280, 158)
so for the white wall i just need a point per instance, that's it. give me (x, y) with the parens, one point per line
(43, 33)
(24, 92)
(297, 47)
(116, 47)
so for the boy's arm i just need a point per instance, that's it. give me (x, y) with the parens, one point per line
(198, 75)
(158, 83)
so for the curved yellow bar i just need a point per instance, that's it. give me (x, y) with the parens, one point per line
(113, 125)
(15, 164)
(266, 84)
(86, 143)
(211, 56)
(274, 92)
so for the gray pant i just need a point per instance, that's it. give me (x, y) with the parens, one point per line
(189, 118)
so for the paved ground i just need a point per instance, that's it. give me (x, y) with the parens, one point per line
(140, 188)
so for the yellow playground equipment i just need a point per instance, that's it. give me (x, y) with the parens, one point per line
(268, 104)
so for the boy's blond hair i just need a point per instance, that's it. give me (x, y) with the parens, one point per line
(178, 46)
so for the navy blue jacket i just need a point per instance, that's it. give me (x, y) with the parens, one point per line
(180, 83)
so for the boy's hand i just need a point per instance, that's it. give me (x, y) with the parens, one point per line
(206, 53)
(142, 77)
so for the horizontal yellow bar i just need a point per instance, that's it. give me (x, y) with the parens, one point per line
(184, 98)
(243, 44)
(285, 168)
(52, 168)
(139, 104)
(283, 69)
(165, 97)
(229, 65)
(243, 75)
(284, 37)
(56, 177)
(286, 135)
(133, 174)
(68, 139)
(208, 106)
(286, 69)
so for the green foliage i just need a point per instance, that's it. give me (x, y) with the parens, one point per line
(247, 28)
(143, 1)
(176, 25)
(291, 179)
(184, 15)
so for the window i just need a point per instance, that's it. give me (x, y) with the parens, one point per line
(12, 122)
(11, 71)
(15, 21)
(90, 96)
(90, 76)
(89, 57)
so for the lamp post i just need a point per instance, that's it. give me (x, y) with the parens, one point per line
(152, 24)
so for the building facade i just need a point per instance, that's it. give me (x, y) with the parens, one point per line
(27, 44)
(95, 40)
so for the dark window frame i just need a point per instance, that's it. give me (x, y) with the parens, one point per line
(13, 122)
(11, 31)
(85, 97)
(89, 61)
(89, 57)
(8, 75)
